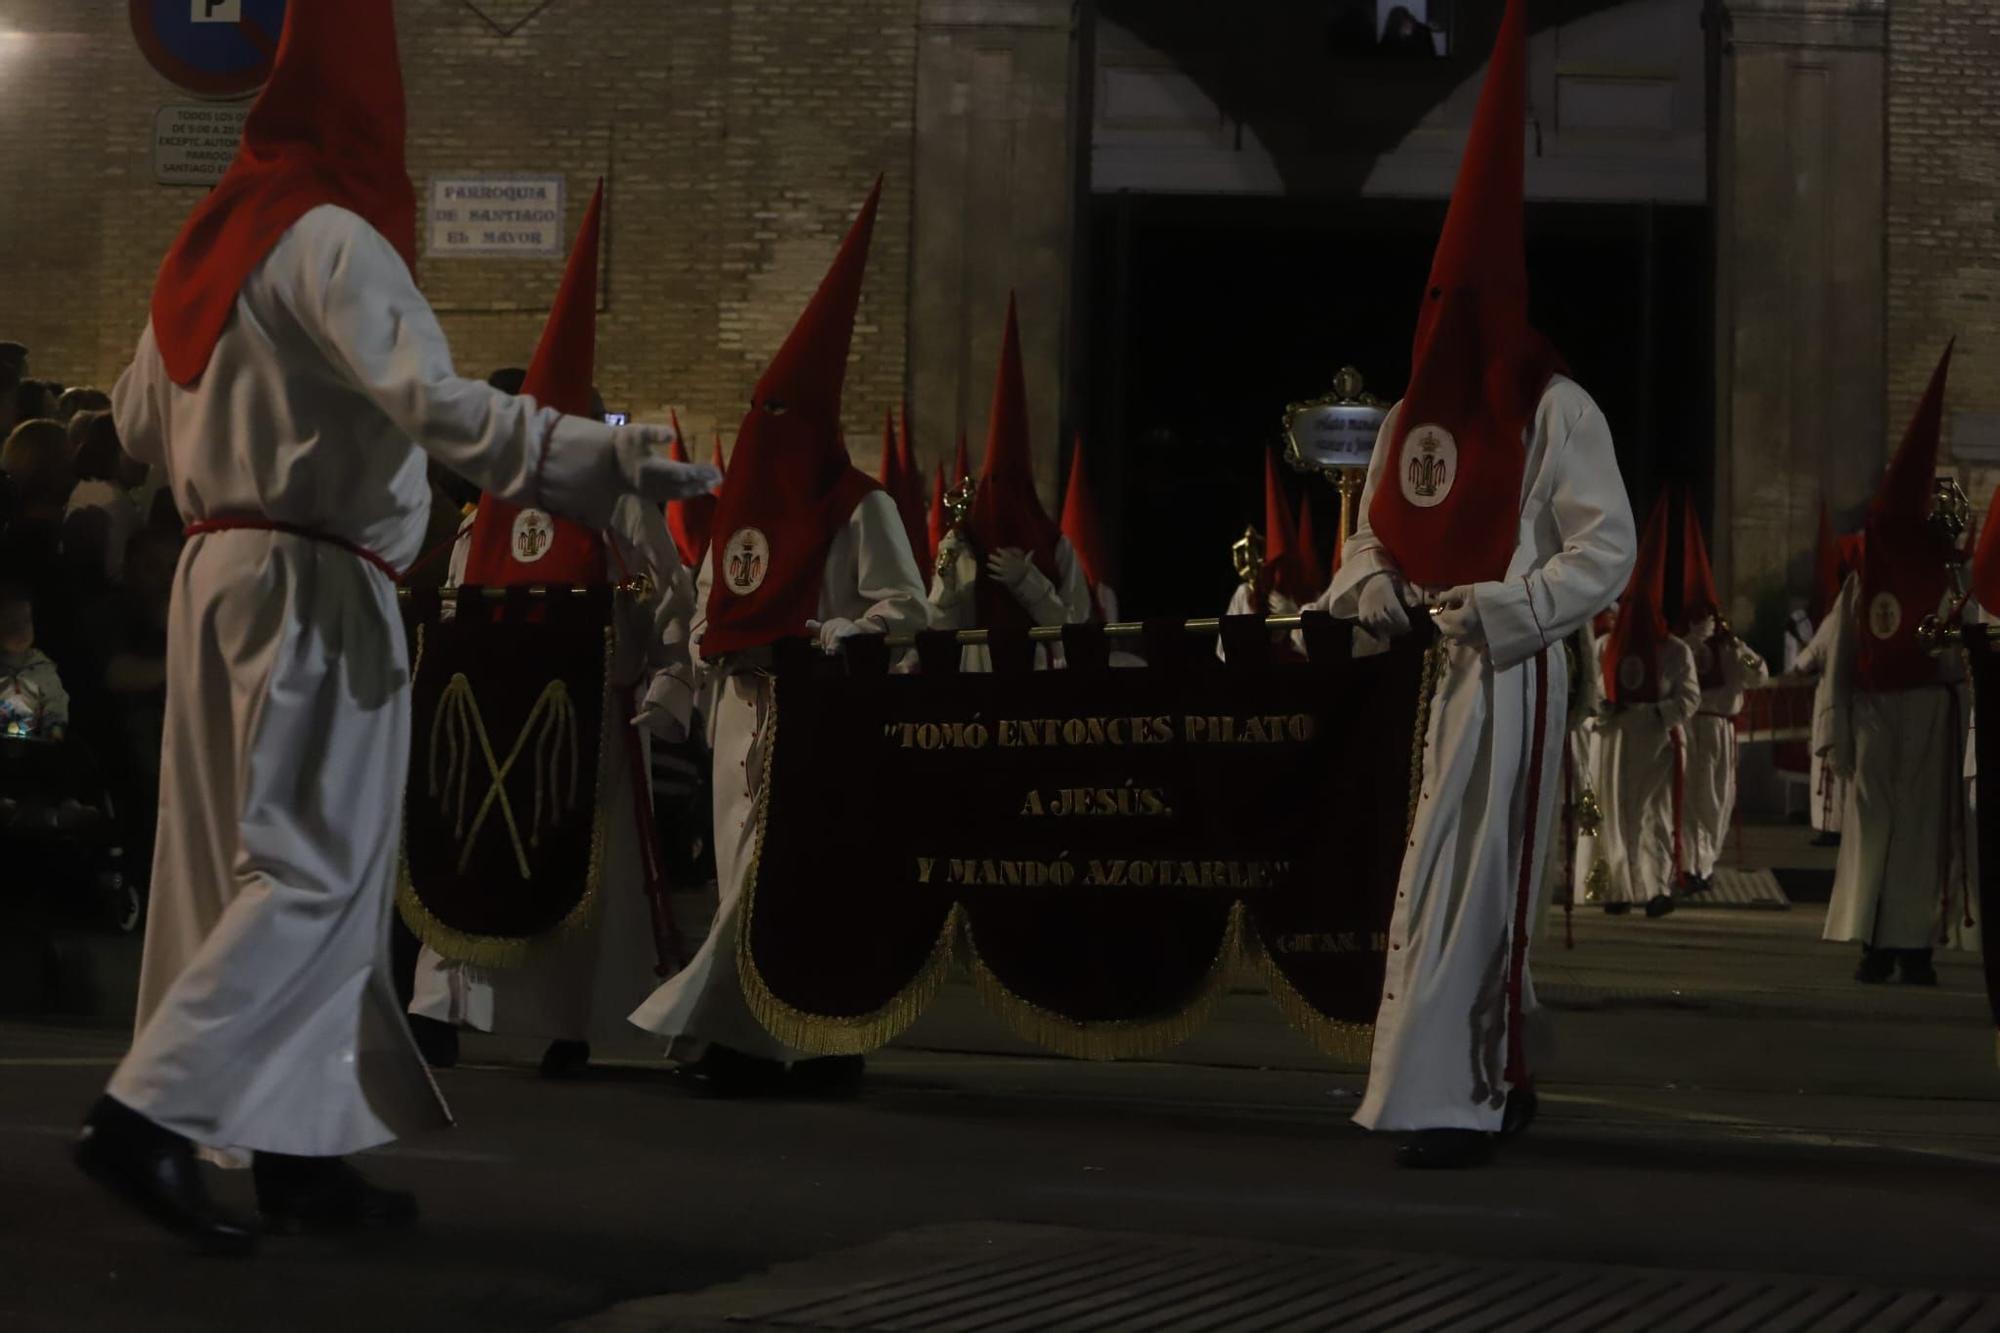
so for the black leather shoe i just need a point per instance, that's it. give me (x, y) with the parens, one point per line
(1696, 884)
(724, 1071)
(565, 1059)
(1877, 966)
(323, 1194)
(832, 1076)
(1917, 968)
(1522, 1107)
(1617, 909)
(155, 1170)
(1445, 1149)
(1659, 905)
(437, 1042)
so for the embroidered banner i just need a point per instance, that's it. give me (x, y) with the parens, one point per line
(1103, 844)
(503, 828)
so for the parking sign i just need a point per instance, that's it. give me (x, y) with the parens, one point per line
(212, 48)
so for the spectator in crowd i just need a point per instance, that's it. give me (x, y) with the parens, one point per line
(35, 400)
(34, 461)
(33, 703)
(76, 401)
(101, 515)
(1405, 36)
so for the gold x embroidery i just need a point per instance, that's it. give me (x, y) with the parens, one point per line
(551, 724)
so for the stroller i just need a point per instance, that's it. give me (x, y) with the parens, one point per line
(61, 835)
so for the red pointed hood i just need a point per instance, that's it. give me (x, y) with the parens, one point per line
(515, 546)
(691, 521)
(328, 128)
(1309, 544)
(1007, 510)
(940, 520)
(1903, 574)
(1450, 504)
(1827, 571)
(1284, 569)
(909, 494)
(1986, 560)
(961, 463)
(890, 473)
(1081, 525)
(1632, 653)
(1699, 598)
(791, 485)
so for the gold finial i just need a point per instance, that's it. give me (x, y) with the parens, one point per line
(1247, 555)
(957, 508)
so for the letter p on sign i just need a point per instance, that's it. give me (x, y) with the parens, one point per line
(217, 11)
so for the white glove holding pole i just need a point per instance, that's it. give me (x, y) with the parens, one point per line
(957, 570)
(1014, 568)
(668, 708)
(832, 633)
(1456, 615)
(1380, 606)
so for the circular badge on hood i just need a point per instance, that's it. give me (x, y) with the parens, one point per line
(1430, 466)
(534, 535)
(745, 561)
(1632, 672)
(1885, 615)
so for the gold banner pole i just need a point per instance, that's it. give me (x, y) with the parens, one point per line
(1122, 630)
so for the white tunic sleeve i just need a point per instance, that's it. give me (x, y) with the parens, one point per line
(1073, 592)
(138, 404)
(1680, 687)
(1593, 521)
(353, 296)
(886, 576)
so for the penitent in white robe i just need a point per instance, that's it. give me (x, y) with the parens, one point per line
(267, 1019)
(580, 984)
(871, 579)
(1827, 799)
(1066, 602)
(1441, 1032)
(1901, 878)
(1640, 747)
(1708, 804)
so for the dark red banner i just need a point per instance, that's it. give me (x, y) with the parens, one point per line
(1103, 844)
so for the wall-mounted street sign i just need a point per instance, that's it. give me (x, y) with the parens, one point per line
(193, 145)
(500, 216)
(211, 48)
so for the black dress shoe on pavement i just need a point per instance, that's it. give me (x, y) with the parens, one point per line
(297, 1195)
(155, 1170)
(1659, 905)
(565, 1059)
(1617, 909)
(831, 1076)
(1917, 968)
(1696, 884)
(1445, 1149)
(1522, 1107)
(436, 1042)
(1877, 966)
(723, 1071)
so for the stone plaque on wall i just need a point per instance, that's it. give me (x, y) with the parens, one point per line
(483, 217)
(193, 145)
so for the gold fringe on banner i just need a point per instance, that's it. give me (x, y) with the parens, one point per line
(1118, 1039)
(1351, 1043)
(825, 1034)
(504, 951)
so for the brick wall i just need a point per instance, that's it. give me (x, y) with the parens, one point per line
(737, 136)
(1943, 226)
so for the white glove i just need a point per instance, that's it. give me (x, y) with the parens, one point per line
(1013, 567)
(831, 633)
(1381, 606)
(668, 708)
(653, 476)
(1277, 604)
(1457, 616)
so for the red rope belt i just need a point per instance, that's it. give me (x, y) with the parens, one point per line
(354, 549)
(1517, 960)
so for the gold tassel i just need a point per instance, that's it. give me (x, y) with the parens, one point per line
(1114, 1039)
(1350, 1043)
(824, 1034)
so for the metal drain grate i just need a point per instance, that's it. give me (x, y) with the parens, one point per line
(1080, 1282)
(1743, 888)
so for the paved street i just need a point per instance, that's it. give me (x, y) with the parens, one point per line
(1724, 1101)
